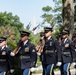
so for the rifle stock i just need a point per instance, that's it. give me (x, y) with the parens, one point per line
(40, 46)
(18, 47)
(20, 42)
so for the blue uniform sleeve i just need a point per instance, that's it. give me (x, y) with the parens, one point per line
(10, 58)
(73, 52)
(33, 56)
(58, 50)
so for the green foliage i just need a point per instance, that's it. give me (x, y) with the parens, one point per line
(47, 8)
(34, 39)
(57, 31)
(13, 46)
(10, 26)
(53, 16)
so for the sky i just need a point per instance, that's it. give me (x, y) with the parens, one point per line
(26, 10)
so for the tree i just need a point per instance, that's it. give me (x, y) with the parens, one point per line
(47, 16)
(63, 15)
(53, 16)
(68, 15)
(10, 26)
(75, 15)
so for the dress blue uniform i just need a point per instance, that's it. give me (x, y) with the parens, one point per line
(51, 53)
(67, 53)
(6, 61)
(42, 42)
(74, 47)
(27, 55)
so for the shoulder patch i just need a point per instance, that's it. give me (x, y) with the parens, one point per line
(33, 50)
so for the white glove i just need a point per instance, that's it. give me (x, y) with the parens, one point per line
(38, 53)
(32, 69)
(12, 70)
(12, 54)
(59, 64)
(73, 64)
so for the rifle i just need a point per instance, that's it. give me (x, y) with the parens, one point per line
(20, 43)
(41, 43)
(18, 47)
(35, 27)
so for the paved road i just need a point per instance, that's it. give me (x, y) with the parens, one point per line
(73, 71)
(58, 72)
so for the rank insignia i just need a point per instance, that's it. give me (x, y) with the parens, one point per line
(50, 43)
(27, 49)
(3, 53)
(33, 50)
(67, 45)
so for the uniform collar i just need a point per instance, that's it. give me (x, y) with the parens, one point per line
(48, 37)
(3, 47)
(25, 42)
(65, 40)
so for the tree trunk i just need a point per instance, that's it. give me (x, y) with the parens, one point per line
(68, 15)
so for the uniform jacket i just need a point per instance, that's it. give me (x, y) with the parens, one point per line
(27, 56)
(67, 51)
(74, 60)
(6, 61)
(51, 51)
(73, 51)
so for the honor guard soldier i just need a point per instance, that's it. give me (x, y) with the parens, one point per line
(74, 50)
(40, 48)
(67, 53)
(6, 61)
(49, 52)
(27, 54)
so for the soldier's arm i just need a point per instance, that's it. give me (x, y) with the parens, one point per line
(58, 49)
(10, 58)
(73, 51)
(33, 56)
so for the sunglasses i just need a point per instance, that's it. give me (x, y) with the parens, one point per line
(23, 35)
(46, 31)
(1, 41)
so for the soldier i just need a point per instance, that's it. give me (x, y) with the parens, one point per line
(27, 54)
(67, 53)
(49, 52)
(40, 48)
(74, 49)
(6, 61)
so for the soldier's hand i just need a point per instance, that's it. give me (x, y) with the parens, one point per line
(67, 45)
(59, 64)
(32, 69)
(12, 54)
(73, 64)
(38, 53)
(12, 70)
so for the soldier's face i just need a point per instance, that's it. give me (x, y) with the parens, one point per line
(64, 36)
(24, 38)
(42, 37)
(48, 34)
(3, 43)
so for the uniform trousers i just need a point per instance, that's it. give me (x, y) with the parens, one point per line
(1, 73)
(65, 69)
(43, 72)
(49, 69)
(26, 72)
